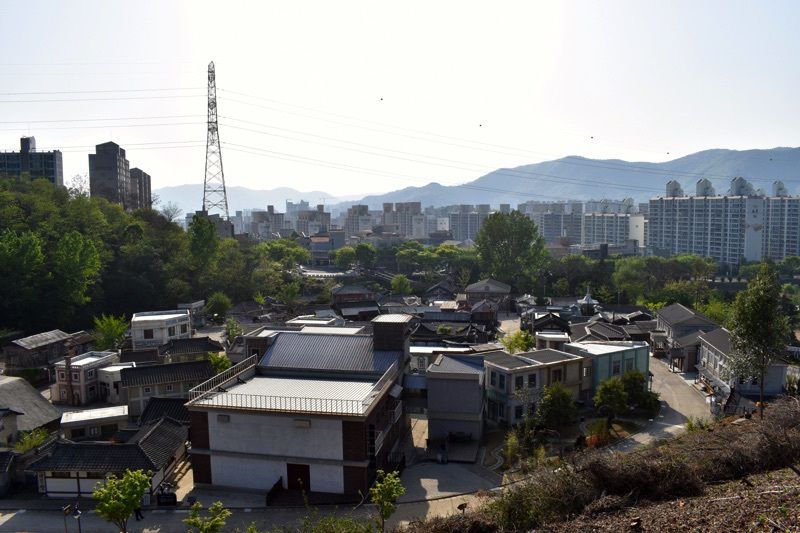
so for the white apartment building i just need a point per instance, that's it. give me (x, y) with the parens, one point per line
(154, 328)
(742, 225)
(608, 228)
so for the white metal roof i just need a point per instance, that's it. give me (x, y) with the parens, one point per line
(295, 394)
(417, 350)
(76, 417)
(331, 330)
(159, 315)
(604, 348)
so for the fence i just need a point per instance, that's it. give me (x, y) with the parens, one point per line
(282, 403)
(223, 377)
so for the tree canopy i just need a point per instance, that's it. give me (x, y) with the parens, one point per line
(117, 497)
(511, 250)
(759, 329)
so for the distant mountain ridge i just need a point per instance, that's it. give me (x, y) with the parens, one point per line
(580, 178)
(190, 197)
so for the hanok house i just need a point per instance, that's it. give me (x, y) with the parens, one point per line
(194, 349)
(72, 469)
(35, 411)
(316, 412)
(675, 322)
(488, 289)
(38, 352)
(173, 380)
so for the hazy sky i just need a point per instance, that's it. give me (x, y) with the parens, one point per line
(358, 97)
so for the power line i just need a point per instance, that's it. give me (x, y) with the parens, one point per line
(102, 99)
(108, 126)
(95, 119)
(105, 91)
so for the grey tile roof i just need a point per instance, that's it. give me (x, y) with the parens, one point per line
(456, 365)
(317, 351)
(190, 346)
(192, 371)
(139, 356)
(174, 408)
(607, 331)
(720, 339)
(690, 339)
(351, 289)
(18, 395)
(489, 285)
(149, 449)
(678, 313)
(42, 339)
(505, 360)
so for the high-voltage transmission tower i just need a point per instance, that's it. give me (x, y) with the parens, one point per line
(214, 195)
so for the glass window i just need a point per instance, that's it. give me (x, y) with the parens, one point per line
(557, 375)
(629, 365)
(148, 333)
(148, 390)
(502, 381)
(615, 368)
(168, 388)
(587, 371)
(493, 378)
(62, 376)
(171, 331)
(94, 431)
(519, 382)
(531, 380)
(90, 373)
(75, 376)
(184, 328)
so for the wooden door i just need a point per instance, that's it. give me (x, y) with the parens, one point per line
(298, 477)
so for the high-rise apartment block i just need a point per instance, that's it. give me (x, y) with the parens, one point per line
(32, 164)
(313, 221)
(605, 228)
(357, 220)
(401, 214)
(556, 221)
(467, 221)
(745, 224)
(111, 177)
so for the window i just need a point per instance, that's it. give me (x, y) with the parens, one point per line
(519, 382)
(493, 378)
(75, 376)
(148, 390)
(518, 411)
(148, 333)
(62, 376)
(556, 375)
(532, 409)
(63, 393)
(629, 365)
(92, 391)
(90, 373)
(168, 388)
(171, 331)
(94, 431)
(531, 381)
(501, 381)
(615, 368)
(184, 328)
(587, 371)
(78, 433)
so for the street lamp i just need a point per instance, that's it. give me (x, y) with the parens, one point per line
(76, 514)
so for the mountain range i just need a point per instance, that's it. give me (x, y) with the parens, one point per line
(572, 177)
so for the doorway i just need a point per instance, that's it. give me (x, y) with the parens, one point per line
(298, 477)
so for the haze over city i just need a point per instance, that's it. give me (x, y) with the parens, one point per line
(362, 97)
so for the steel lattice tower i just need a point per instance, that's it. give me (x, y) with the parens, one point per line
(214, 195)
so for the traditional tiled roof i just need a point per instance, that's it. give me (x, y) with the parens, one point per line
(489, 285)
(18, 395)
(197, 371)
(690, 339)
(42, 339)
(190, 346)
(157, 407)
(484, 306)
(720, 339)
(351, 289)
(149, 449)
(336, 353)
(149, 355)
(678, 313)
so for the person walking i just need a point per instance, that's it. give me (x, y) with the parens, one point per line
(138, 513)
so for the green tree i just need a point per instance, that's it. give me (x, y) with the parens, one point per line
(557, 407)
(232, 329)
(218, 305)
(759, 329)
(511, 250)
(345, 257)
(213, 522)
(519, 341)
(635, 384)
(401, 284)
(22, 272)
(109, 331)
(366, 255)
(288, 294)
(219, 361)
(203, 240)
(75, 266)
(611, 395)
(385, 493)
(117, 497)
(717, 310)
(29, 440)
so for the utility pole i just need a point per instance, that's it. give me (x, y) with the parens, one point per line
(214, 195)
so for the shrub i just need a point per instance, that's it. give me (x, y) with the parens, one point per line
(696, 424)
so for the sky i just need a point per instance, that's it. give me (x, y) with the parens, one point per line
(353, 98)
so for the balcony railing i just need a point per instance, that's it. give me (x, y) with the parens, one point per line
(292, 404)
(223, 377)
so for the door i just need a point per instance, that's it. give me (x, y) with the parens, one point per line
(298, 477)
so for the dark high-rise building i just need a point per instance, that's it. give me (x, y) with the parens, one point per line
(32, 164)
(140, 188)
(109, 175)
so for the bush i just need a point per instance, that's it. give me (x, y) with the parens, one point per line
(696, 424)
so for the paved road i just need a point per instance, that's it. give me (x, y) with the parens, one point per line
(679, 400)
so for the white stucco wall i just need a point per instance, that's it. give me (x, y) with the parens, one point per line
(276, 435)
(327, 478)
(246, 472)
